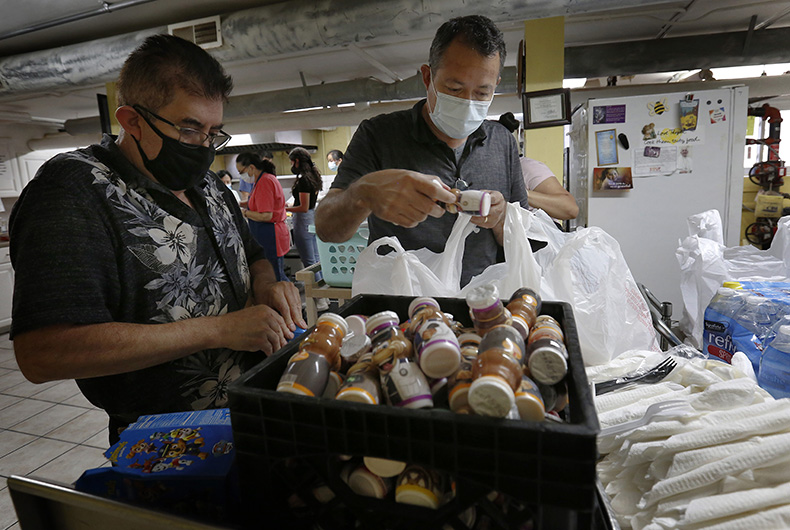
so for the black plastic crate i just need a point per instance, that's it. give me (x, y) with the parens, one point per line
(284, 442)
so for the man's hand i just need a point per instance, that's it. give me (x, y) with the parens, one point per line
(284, 298)
(254, 328)
(405, 198)
(495, 220)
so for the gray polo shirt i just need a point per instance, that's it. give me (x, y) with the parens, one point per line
(402, 140)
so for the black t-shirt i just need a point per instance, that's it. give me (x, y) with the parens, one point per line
(95, 241)
(402, 140)
(303, 185)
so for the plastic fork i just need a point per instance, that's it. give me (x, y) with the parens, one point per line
(654, 375)
(664, 408)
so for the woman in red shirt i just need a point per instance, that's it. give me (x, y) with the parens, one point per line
(266, 210)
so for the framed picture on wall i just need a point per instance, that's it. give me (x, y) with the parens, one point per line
(546, 108)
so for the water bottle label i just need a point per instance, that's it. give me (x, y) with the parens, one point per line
(716, 337)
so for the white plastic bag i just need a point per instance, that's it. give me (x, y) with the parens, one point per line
(591, 274)
(425, 273)
(706, 263)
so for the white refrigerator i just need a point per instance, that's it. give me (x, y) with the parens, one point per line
(639, 166)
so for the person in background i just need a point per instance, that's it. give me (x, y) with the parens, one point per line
(246, 184)
(136, 274)
(545, 190)
(305, 193)
(226, 179)
(266, 210)
(334, 158)
(394, 165)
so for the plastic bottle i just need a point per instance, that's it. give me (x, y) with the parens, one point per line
(362, 383)
(546, 327)
(718, 324)
(486, 309)
(473, 202)
(774, 374)
(438, 351)
(497, 372)
(458, 384)
(524, 306)
(752, 322)
(402, 381)
(307, 372)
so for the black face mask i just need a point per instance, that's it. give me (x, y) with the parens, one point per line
(177, 167)
(294, 170)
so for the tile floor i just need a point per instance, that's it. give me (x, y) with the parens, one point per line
(48, 431)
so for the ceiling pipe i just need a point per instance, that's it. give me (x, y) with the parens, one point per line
(284, 28)
(105, 8)
(326, 95)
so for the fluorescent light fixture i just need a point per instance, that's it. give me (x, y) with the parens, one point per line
(574, 83)
(743, 72)
(240, 139)
(303, 110)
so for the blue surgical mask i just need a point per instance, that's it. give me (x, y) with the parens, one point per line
(457, 117)
(332, 165)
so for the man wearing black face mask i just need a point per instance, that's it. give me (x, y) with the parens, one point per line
(136, 272)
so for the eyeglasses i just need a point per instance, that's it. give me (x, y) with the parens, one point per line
(187, 136)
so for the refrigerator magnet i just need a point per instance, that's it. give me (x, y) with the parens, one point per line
(689, 110)
(717, 115)
(606, 147)
(612, 178)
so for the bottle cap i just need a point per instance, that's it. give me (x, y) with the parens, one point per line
(388, 318)
(520, 325)
(335, 319)
(485, 204)
(356, 324)
(422, 301)
(384, 467)
(363, 482)
(548, 361)
(413, 494)
(354, 346)
(440, 358)
(482, 297)
(725, 291)
(472, 338)
(733, 285)
(490, 395)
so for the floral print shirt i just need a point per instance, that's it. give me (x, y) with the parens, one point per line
(94, 240)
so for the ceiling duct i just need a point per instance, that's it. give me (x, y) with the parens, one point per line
(205, 32)
(280, 29)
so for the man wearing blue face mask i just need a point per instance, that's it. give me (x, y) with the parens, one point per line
(392, 163)
(136, 272)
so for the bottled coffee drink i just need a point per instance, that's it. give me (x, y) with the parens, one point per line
(496, 372)
(362, 383)
(486, 309)
(438, 351)
(308, 370)
(384, 467)
(402, 381)
(524, 306)
(473, 202)
(547, 360)
(366, 483)
(529, 401)
(546, 327)
(420, 486)
(458, 384)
